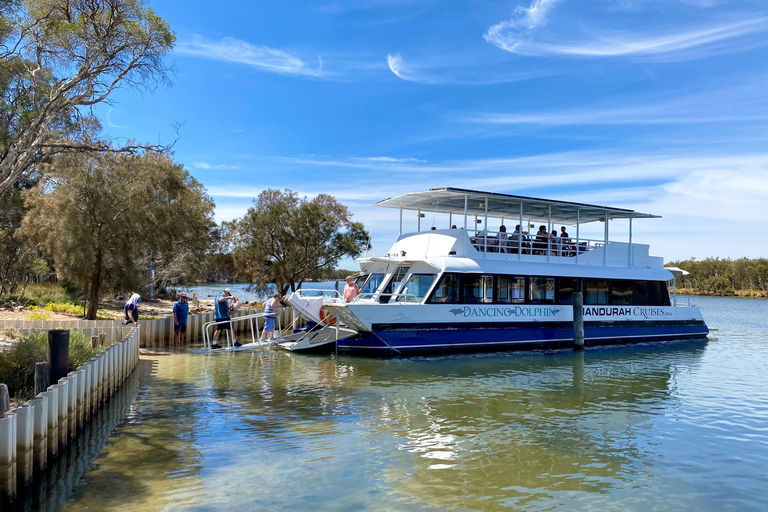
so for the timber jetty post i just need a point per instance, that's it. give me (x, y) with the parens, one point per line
(578, 321)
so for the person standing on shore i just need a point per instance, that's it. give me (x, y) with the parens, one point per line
(180, 313)
(221, 316)
(351, 290)
(131, 310)
(270, 315)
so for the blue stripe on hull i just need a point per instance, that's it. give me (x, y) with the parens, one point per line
(395, 342)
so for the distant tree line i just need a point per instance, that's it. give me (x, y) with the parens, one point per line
(715, 276)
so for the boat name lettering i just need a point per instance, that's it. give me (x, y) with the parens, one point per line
(467, 311)
(627, 311)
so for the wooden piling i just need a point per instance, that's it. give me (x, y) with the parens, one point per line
(41, 377)
(5, 399)
(578, 321)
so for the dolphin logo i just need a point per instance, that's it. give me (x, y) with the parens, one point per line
(457, 311)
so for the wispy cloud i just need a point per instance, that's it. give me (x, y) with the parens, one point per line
(235, 50)
(524, 34)
(388, 159)
(109, 120)
(206, 166)
(455, 73)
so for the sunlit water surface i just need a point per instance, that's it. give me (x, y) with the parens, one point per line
(675, 426)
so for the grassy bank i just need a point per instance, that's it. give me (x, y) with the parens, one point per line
(726, 293)
(17, 363)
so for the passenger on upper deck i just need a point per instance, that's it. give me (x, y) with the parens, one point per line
(541, 241)
(453, 227)
(503, 239)
(517, 240)
(554, 243)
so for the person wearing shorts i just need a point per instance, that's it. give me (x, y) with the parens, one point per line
(180, 314)
(221, 316)
(270, 315)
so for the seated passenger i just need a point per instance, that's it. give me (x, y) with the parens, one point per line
(554, 243)
(541, 241)
(502, 239)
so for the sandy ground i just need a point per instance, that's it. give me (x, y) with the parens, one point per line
(113, 309)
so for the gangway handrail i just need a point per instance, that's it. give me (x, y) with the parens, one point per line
(323, 291)
(254, 332)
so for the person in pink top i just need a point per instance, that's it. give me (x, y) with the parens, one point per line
(351, 290)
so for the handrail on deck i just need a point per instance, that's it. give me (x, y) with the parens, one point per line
(254, 332)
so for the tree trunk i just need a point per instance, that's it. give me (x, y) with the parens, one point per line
(93, 304)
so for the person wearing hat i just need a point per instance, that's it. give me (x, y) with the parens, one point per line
(221, 316)
(270, 315)
(180, 313)
(131, 310)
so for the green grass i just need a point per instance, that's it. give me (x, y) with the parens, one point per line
(17, 364)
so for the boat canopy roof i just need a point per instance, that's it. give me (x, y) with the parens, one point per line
(452, 200)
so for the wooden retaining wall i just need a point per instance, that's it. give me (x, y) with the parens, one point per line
(154, 333)
(32, 435)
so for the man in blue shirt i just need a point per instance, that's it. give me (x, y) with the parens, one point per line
(221, 315)
(180, 313)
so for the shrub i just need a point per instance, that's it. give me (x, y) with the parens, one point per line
(64, 307)
(38, 315)
(17, 364)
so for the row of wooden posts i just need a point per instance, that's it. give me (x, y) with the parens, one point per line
(154, 333)
(33, 434)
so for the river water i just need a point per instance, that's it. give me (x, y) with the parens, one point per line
(673, 426)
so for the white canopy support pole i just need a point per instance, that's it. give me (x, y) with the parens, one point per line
(485, 229)
(466, 233)
(450, 219)
(520, 235)
(578, 225)
(605, 241)
(629, 251)
(418, 225)
(401, 221)
(549, 230)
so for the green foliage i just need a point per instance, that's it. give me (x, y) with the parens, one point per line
(99, 215)
(64, 307)
(17, 364)
(714, 276)
(61, 57)
(38, 315)
(285, 240)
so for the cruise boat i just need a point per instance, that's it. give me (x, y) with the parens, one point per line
(466, 287)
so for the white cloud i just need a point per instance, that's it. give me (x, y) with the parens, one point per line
(206, 166)
(388, 159)
(523, 35)
(234, 50)
(109, 120)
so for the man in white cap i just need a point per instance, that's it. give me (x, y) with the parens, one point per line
(221, 316)
(180, 313)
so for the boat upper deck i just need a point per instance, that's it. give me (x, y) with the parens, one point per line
(470, 209)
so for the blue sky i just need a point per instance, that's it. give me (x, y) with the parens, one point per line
(655, 105)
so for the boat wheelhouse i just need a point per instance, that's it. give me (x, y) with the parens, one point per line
(467, 288)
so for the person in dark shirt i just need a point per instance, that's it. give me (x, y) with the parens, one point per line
(180, 313)
(221, 315)
(131, 310)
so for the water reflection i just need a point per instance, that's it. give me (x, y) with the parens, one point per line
(272, 430)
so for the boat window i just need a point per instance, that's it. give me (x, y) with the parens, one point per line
(597, 291)
(393, 284)
(371, 284)
(621, 292)
(477, 289)
(651, 293)
(510, 290)
(542, 290)
(416, 288)
(447, 292)
(566, 287)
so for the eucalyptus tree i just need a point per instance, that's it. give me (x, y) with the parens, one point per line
(100, 214)
(284, 239)
(59, 58)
